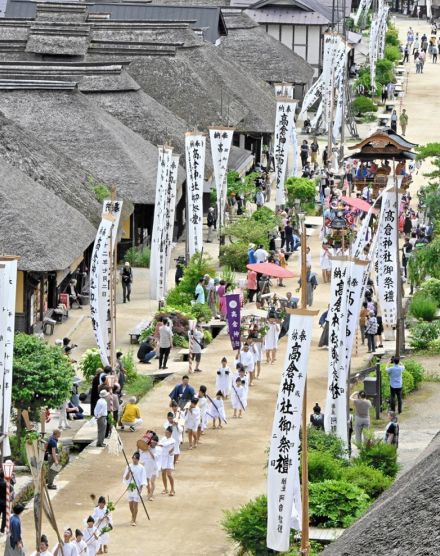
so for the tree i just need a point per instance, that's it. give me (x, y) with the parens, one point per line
(302, 189)
(362, 105)
(42, 377)
(430, 194)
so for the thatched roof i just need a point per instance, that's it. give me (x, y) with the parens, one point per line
(48, 166)
(405, 520)
(37, 225)
(248, 44)
(203, 88)
(77, 127)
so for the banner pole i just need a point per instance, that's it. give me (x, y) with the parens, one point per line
(398, 272)
(304, 447)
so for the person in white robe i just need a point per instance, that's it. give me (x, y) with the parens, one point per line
(134, 477)
(103, 520)
(149, 458)
(257, 350)
(177, 427)
(238, 398)
(167, 461)
(44, 548)
(68, 547)
(203, 406)
(216, 410)
(271, 341)
(80, 544)
(91, 537)
(223, 378)
(192, 420)
(246, 358)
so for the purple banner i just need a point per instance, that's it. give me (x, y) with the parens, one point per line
(233, 318)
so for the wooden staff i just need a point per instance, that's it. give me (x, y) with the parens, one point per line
(132, 476)
(218, 411)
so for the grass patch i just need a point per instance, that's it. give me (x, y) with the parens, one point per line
(140, 386)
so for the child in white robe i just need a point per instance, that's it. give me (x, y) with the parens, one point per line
(177, 433)
(167, 461)
(135, 479)
(238, 398)
(91, 535)
(192, 420)
(217, 410)
(223, 379)
(80, 544)
(203, 406)
(241, 374)
(150, 460)
(103, 519)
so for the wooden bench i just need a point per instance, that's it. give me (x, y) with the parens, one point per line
(184, 354)
(137, 331)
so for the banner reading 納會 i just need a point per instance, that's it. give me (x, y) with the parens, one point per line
(195, 145)
(221, 141)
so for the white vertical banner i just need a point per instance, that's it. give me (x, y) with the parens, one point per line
(355, 284)
(340, 83)
(336, 404)
(387, 278)
(168, 227)
(221, 141)
(283, 491)
(100, 294)
(8, 286)
(284, 123)
(195, 145)
(163, 169)
(361, 8)
(331, 55)
(294, 141)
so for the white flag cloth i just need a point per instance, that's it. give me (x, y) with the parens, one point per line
(336, 407)
(162, 181)
(284, 123)
(340, 84)
(8, 286)
(221, 141)
(100, 295)
(167, 227)
(387, 278)
(195, 145)
(283, 490)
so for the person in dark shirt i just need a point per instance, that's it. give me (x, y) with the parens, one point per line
(146, 351)
(52, 458)
(14, 543)
(182, 393)
(317, 418)
(392, 430)
(2, 501)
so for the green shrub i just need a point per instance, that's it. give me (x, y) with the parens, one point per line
(322, 442)
(248, 526)
(252, 231)
(228, 275)
(423, 307)
(235, 256)
(362, 105)
(392, 37)
(431, 288)
(423, 334)
(18, 450)
(149, 331)
(375, 453)
(323, 466)
(407, 383)
(392, 53)
(207, 337)
(336, 503)
(265, 215)
(371, 480)
(129, 366)
(100, 190)
(138, 256)
(384, 71)
(416, 370)
(89, 363)
(302, 189)
(140, 386)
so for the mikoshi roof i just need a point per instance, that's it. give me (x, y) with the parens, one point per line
(70, 122)
(383, 144)
(405, 518)
(248, 43)
(37, 225)
(47, 165)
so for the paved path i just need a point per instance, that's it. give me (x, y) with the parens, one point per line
(228, 468)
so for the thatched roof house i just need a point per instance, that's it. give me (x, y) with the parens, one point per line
(405, 520)
(29, 228)
(248, 44)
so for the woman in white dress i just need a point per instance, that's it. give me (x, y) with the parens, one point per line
(192, 420)
(238, 398)
(271, 341)
(167, 461)
(224, 378)
(80, 544)
(103, 519)
(91, 535)
(135, 479)
(150, 460)
(246, 358)
(172, 421)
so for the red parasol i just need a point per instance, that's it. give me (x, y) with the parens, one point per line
(358, 204)
(270, 269)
